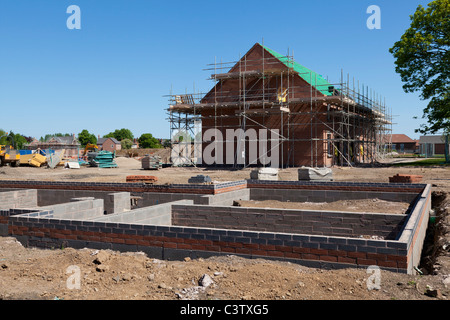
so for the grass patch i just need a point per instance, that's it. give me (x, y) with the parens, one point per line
(423, 163)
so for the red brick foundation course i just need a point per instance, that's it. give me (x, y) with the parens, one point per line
(312, 250)
(338, 185)
(128, 187)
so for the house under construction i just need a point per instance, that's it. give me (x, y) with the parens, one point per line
(308, 121)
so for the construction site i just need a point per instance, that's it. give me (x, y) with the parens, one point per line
(306, 120)
(320, 208)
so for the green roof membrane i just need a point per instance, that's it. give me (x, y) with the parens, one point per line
(311, 77)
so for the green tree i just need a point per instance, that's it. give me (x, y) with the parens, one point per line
(146, 140)
(120, 134)
(3, 138)
(19, 140)
(126, 143)
(16, 140)
(84, 137)
(423, 62)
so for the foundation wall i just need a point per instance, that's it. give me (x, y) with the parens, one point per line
(400, 254)
(414, 231)
(116, 196)
(226, 198)
(197, 189)
(155, 215)
(342, 224)
(18, 198)
(170, 242)
(77, 210)
(337, 186)
(302, 195)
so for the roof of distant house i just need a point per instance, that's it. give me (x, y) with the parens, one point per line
(102, 140)
(401, 138)
(431, 139)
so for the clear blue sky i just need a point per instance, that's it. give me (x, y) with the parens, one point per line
(114, 72)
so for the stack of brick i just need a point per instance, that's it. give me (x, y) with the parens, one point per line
(145, 179)
(406, 178)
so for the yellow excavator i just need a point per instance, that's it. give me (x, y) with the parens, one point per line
(9, 155)
(89, 146)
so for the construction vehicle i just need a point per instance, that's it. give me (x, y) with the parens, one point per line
(89, 146)
(9, 155)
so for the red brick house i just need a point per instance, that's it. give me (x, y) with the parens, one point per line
(318, 123)
(404, 144)
(109, 144)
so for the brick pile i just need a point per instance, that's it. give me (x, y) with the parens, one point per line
(145, 179)
(405, 178)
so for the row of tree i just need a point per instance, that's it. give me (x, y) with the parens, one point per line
(15, 139)
(125, 136)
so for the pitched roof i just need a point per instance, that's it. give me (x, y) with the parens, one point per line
(401, 138)
(432, 139)
(102, 140)
(67, 140)
(311, 77)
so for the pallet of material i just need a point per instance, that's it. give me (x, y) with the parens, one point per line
(35, 159)
(102, 159)
(151, 162)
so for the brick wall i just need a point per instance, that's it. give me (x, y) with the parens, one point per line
(337, 185)
(18, 198)
(176, 242)
(127, 187)
(305, 195)
(405, 178)
(342, 224)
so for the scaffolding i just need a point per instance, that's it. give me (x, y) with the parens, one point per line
(265, 94)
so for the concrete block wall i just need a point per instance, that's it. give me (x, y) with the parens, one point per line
(120, 202)
(18, 198)
(127, 187)
(415, 228)
(157, 215)
(172, 242)
(77, 210)
(111, 201)
(338, 186)
(302, 195)
(176, 242)
(153, 198)
(314, 222)
(225, 198)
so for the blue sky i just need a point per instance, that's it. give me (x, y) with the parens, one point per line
(116, 70)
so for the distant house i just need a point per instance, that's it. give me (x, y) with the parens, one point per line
(109, 144)
(432, 145)
(135, 144)
(403, 144)
(69, 144)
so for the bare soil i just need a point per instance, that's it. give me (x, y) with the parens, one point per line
(30, 273)
(365, 205)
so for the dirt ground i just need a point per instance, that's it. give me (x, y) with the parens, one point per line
(35, 274)
(364, 205)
